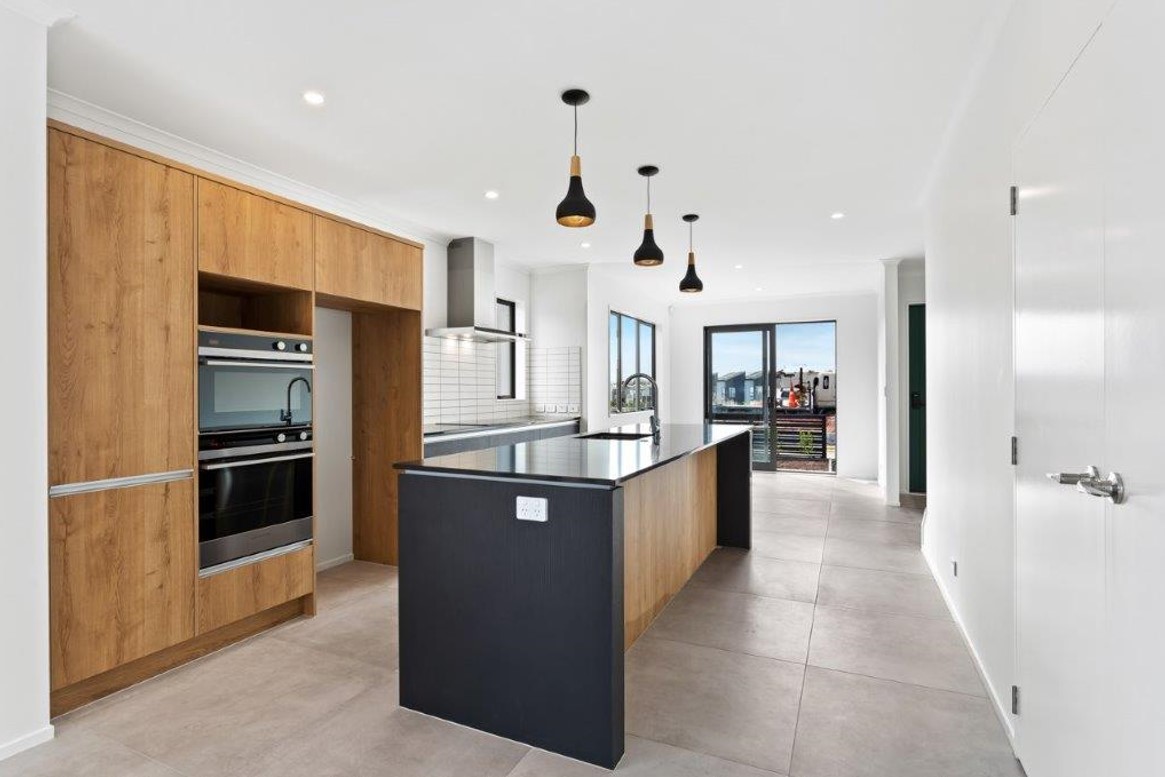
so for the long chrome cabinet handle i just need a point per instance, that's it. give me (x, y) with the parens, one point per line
(252, 462)
(89, 486)
(1072, 478)
(259, 365)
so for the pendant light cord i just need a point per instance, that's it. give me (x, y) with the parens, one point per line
(576, 130)
(690, 237)
(649, 194)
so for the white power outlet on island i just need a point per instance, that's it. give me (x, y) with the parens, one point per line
(532, 508)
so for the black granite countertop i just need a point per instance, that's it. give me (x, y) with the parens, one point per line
(582, 460)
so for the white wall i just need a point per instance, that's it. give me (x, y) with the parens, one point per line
(857, 364)
(24, 610)
(623, 288)
(888, 387)
(911, 291)
(332, 410)
(558, 313)
(970, 379)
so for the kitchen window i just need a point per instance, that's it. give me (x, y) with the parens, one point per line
(507, 321)
(631, 350)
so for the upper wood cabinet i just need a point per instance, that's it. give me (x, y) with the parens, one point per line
(121, 576)
(246, 236)
(357, 264)
(121, 313)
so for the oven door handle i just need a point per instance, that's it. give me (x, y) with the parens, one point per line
(262, 365)
(252, 462)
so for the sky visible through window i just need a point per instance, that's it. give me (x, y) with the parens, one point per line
(809, 345)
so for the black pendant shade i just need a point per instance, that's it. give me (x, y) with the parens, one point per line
(648, 254)
(691, 284)
(575, 210)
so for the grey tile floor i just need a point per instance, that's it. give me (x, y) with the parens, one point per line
(826, 651)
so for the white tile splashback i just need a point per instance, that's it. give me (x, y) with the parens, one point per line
(555, 380)
(460, 383)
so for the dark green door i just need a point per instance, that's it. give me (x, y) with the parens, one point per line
(918, 399)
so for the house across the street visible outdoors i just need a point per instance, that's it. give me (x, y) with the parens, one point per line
(782, 380)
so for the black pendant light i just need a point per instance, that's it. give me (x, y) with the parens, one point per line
(575, 210)
(648, 254)
(691, 284)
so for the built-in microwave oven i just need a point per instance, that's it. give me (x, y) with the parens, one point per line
(253, 381)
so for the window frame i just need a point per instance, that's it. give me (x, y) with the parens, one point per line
(621, 373)
(513, 347)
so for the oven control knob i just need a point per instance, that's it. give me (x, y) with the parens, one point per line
(281, 437)
(279, 345)
(302, 347)
(303, 435)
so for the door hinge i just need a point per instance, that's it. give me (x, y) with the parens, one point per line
(1014, 200)
(1015, 700)
(1014, 451)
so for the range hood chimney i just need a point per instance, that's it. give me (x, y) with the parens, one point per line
(472, 300)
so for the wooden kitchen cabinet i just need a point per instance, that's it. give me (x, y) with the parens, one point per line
(230, 596)
(364, 266)
(122, 569)
(120, 313)
(250, 237)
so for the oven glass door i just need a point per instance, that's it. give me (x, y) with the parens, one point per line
(251, 505)
(249, 395)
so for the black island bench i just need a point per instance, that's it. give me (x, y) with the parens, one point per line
(527, 570)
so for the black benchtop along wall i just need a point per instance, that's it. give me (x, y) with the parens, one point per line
(582, 460)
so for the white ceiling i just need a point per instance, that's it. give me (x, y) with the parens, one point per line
(765, 117)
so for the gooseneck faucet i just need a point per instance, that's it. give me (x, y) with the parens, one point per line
(654, 402)
(285, 415)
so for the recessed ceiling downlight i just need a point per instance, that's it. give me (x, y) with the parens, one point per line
(585, 245)
(491, 195)
(312, 97)
(837, 216)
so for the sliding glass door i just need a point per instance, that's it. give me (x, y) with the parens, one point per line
(781, 379)
(738, 387)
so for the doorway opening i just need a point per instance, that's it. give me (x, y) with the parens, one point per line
(780, 379)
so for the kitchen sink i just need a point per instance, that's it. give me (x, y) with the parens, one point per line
(616, 436)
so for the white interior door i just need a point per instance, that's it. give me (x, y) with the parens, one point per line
(1133, 45)
(1060, 401)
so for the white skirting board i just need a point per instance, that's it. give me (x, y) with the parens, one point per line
(9, 749)
(1002, 710)
(334, 562)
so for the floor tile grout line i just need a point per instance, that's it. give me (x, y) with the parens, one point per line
(983, 698)
(707, 754)
(722, 650)
(164, 764)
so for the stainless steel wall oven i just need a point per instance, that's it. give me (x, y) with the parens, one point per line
(255, 453)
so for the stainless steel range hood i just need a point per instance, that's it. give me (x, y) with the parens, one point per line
(472, 299)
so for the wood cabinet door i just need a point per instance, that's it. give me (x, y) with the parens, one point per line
(356, 264)
(121, 313)
(122, 568)
(245, 236)
(230, 596)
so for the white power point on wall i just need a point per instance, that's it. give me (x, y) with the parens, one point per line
(532, 508)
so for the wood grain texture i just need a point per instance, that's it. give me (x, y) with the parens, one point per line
(208, 176)
(71, 697)
(290, 312)
(122, 566)
(241, 592)
(669, 528)
(354, 263)
(120, 313)
(244, 235)
(386, 409)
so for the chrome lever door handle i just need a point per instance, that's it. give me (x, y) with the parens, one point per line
(1112, 487)
(1073, 478)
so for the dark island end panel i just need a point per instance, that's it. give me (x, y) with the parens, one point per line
(734, 492)
(510, 626)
